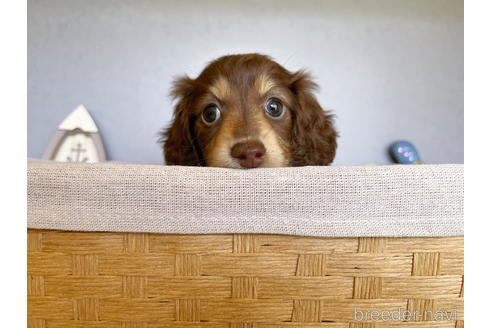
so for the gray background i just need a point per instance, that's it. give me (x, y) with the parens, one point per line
(389, 69)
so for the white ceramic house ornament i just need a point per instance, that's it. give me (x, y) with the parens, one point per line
(77, 140)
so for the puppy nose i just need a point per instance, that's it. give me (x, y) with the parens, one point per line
(250, 154)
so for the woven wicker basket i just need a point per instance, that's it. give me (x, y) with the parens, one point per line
(94, 279)
(141, 279)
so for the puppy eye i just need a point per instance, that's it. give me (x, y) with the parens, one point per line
(274, 108)
(211, 114)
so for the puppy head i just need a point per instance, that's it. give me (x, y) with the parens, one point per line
(247, 111)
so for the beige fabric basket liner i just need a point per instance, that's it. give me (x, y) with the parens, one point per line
(337, 201)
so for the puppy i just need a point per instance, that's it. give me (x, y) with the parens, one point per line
(247, 111)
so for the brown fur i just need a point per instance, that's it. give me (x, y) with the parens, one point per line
(240, 85)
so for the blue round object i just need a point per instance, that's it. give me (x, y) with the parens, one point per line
(404, 152)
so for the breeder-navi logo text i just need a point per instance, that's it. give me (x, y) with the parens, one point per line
(403, 315)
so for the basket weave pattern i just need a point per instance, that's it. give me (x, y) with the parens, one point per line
(139, 280)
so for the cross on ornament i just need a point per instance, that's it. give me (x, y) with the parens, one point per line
(78, 150)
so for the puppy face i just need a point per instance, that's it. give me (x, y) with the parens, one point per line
(246, 111)
(244, 120)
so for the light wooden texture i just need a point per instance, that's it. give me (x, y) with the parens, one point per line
(135, 280)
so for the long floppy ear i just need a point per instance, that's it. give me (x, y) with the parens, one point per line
(314, 137)
(180, 146)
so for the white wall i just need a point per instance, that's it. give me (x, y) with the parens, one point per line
(389, 69)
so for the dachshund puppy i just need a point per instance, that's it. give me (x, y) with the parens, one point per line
(247, 111)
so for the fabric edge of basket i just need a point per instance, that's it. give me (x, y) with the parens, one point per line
(335, 229)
